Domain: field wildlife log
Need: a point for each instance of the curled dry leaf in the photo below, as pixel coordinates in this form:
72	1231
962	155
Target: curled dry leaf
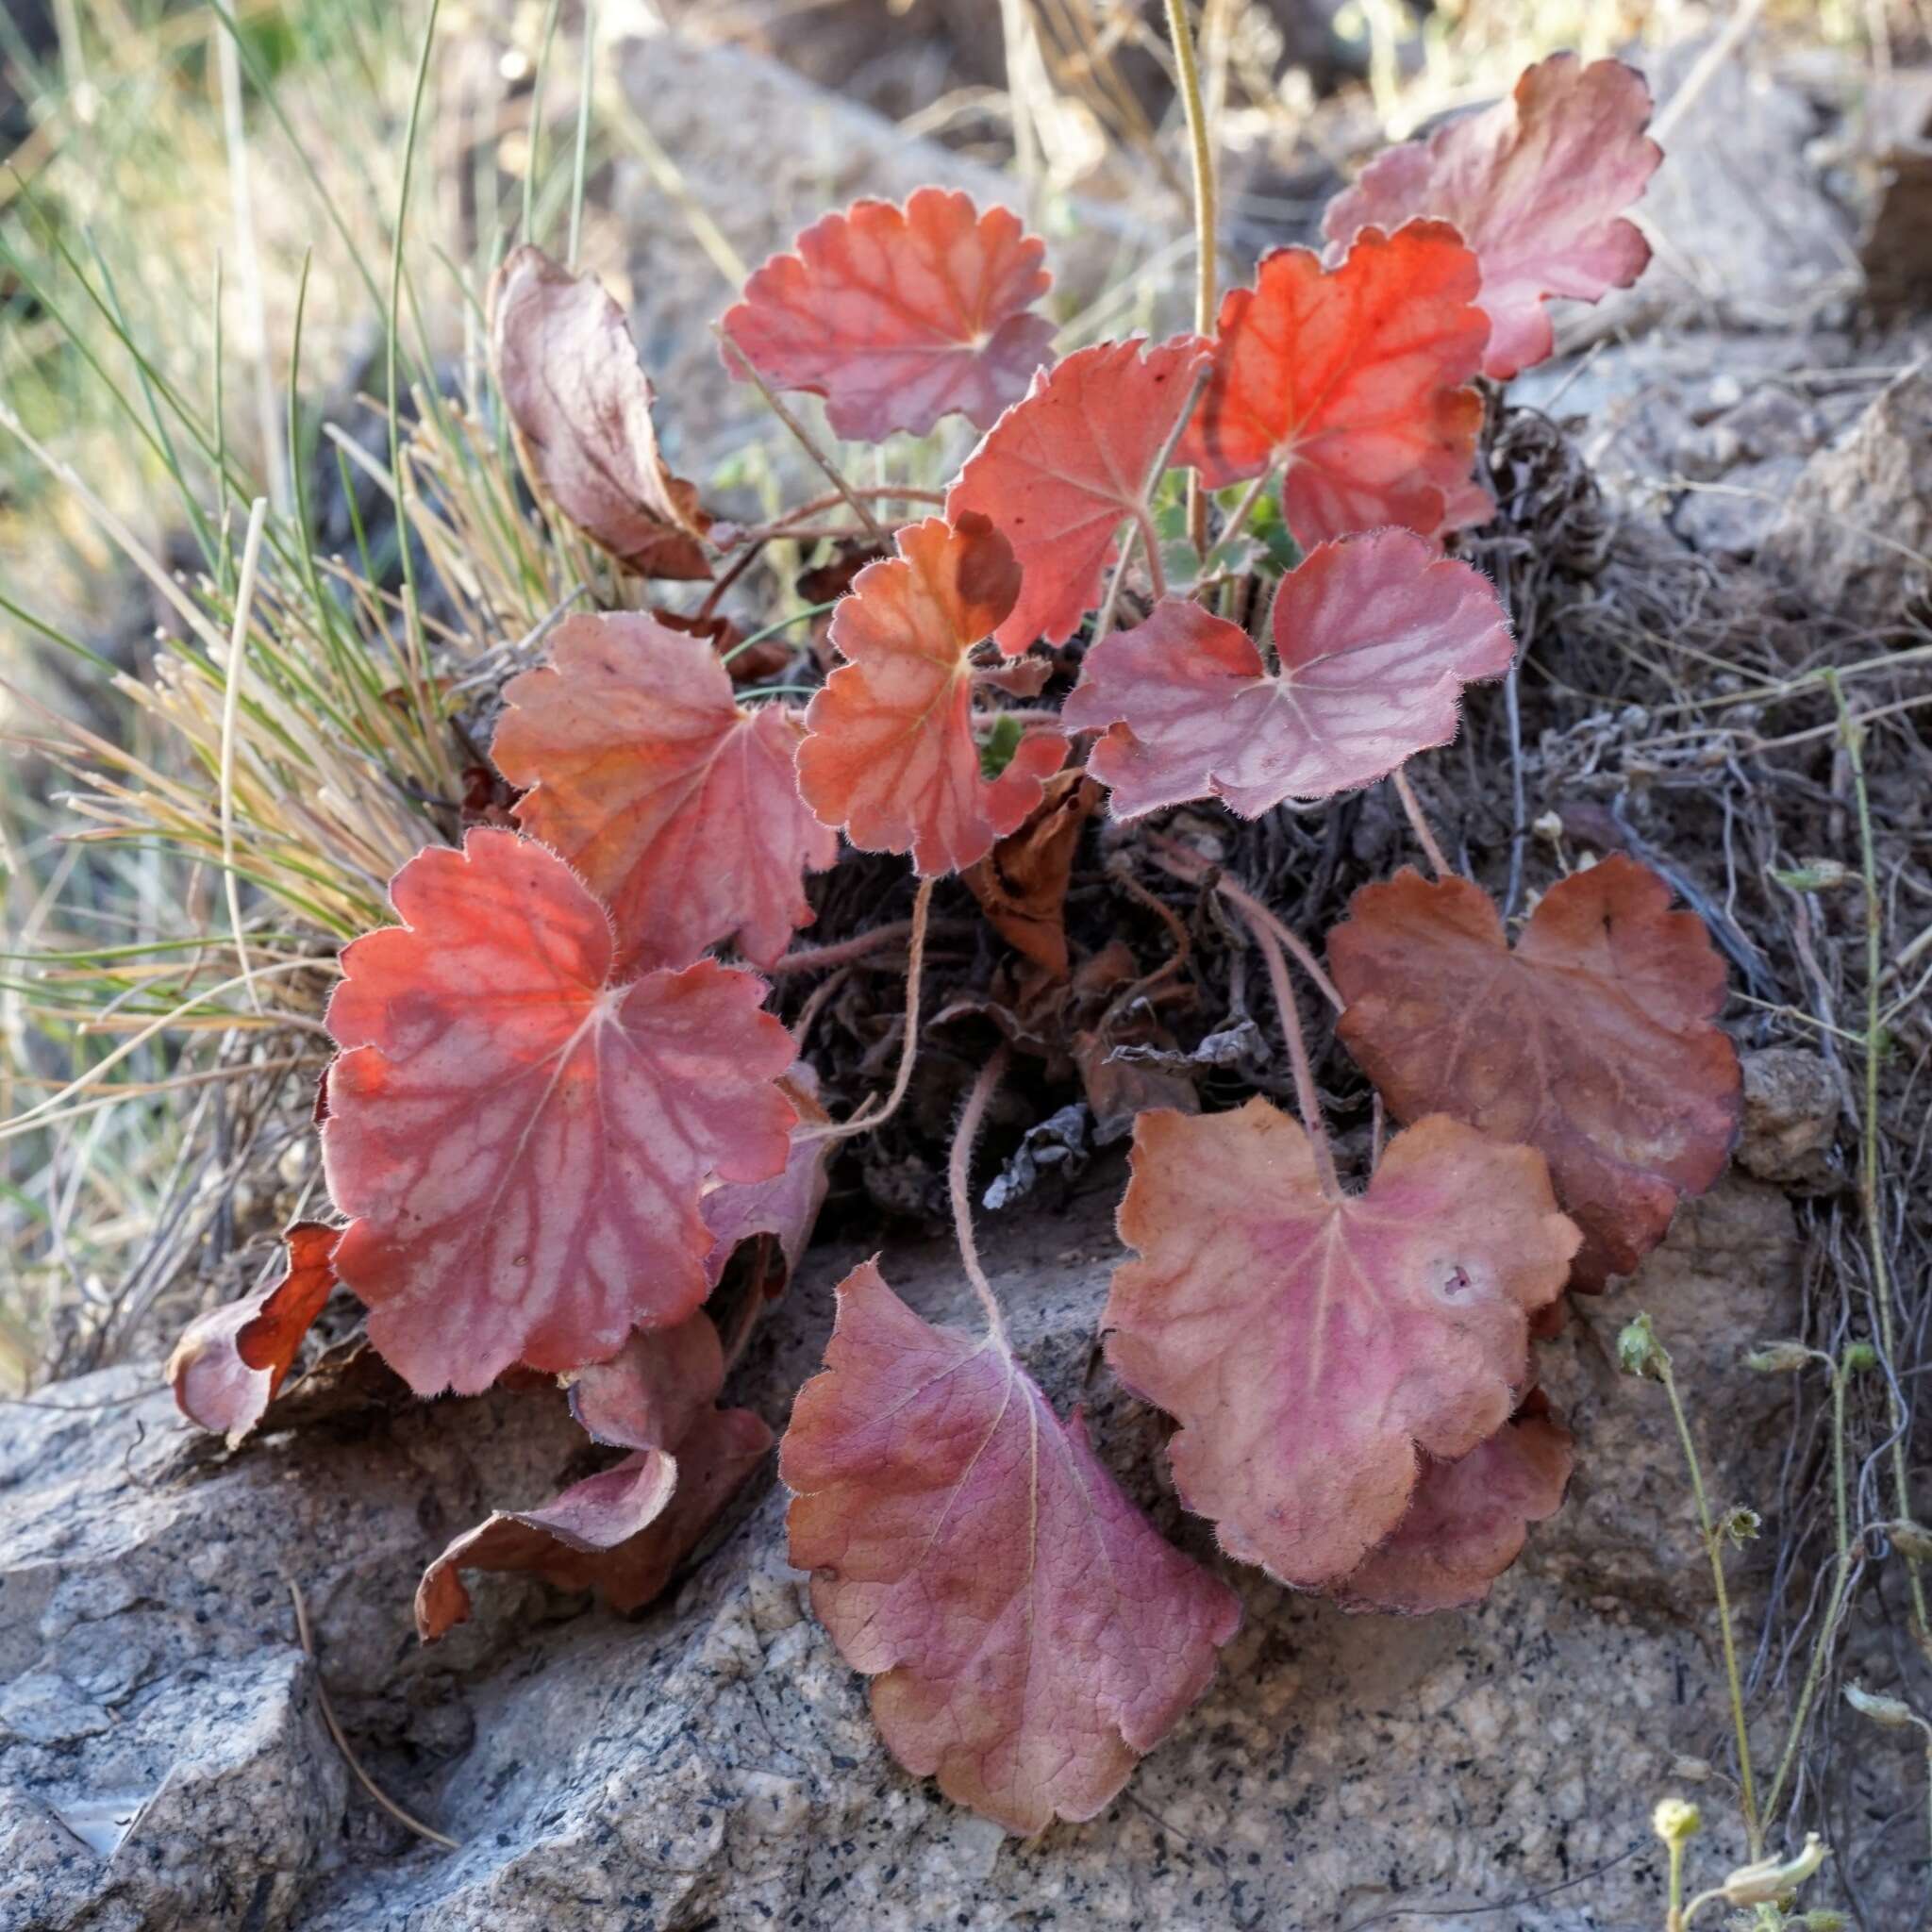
622	1532
523	1139
651	1393
1537	185
567	372
1468	1519
899	316
1351	380
230	1362
1311	1347
1022	883
1062	470
1028	1632
1592	1041
1376	636
889	752
679	810
787	1207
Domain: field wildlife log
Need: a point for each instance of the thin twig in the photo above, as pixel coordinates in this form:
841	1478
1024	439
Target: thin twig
957	1168
231	705
1188	71
335	1731
806	441
1419	823
1307	1099
869	1116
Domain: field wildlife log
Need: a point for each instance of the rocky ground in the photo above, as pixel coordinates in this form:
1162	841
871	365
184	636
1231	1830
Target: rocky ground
166	1758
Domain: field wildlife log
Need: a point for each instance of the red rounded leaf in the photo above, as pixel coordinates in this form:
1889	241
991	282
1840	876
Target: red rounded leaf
679	810
1468	1521
651	1392
1375	637
567	371
622	1532
1592	1041
523	1140
1537	185
889	751
1310	1348
1028	1632
900	316
1060	471
786	1207
1352	379
230	1362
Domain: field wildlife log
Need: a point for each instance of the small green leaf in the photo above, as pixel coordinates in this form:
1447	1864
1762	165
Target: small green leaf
996	750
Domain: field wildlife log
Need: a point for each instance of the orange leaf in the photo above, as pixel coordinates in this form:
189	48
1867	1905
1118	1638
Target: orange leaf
524	1139
1468	1521
1537	185
889	751
1062	470
1311	1347
900	316
1350	380
679	810
1592	1041
1028	1633
230	1362
567	372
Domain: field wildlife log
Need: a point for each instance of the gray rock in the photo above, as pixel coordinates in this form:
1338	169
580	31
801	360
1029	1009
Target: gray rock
1792	1107
711	1762
1856	533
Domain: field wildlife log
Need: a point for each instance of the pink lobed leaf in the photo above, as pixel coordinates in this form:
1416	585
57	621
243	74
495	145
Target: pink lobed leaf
1352	379
1538	184
1028	1633
899	316
523	1139
1062	470
567	371
889	752
1468	1519
622	1532
1312	1348
679	810
1375	636
230	1363
652	1393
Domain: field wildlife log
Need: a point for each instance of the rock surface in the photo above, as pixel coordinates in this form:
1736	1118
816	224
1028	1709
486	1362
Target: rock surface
163	1762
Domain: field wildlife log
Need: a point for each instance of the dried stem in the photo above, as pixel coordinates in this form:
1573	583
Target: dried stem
804	436
1713	1549
1307	1099
1174	857
231	705
1419	823
870	1116
1188	72
1871	1175
958	1168
336	1731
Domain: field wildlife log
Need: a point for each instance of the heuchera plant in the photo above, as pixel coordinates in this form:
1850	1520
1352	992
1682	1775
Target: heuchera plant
555	1113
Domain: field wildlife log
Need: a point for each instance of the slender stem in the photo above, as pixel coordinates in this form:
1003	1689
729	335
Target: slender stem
1157	570
1174	857
1840	1583
581	151
1306	1097
1674	1921
1870	1175
1103	624
1753	1831
870	1116
816	958
1188	71
1418	823
804	436
231	705
1238	519
958	1168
